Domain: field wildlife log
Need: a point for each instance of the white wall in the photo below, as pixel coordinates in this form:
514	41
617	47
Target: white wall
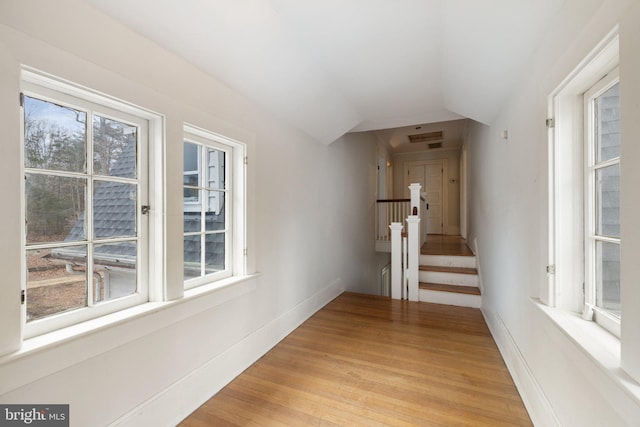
310	223
508	201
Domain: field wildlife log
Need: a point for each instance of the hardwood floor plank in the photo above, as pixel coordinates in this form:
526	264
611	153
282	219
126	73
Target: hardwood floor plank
366	360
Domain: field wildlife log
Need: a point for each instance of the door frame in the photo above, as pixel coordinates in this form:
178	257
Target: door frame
443	163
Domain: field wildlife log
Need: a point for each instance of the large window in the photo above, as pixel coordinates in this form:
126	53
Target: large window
85	197
584	166
210	172
602	195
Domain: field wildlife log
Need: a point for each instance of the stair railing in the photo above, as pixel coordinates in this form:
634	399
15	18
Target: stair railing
405	251
388	211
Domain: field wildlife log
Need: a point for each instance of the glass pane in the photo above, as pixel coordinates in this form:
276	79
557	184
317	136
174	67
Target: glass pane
192	251
190	157
56	280
215	251
191	196
608	124
54	136
114	209
54	208
215	211
114	148
608	201
608	277
215	169
192	222
114	270
190	179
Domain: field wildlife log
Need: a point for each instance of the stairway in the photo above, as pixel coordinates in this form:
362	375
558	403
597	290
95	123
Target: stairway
449	278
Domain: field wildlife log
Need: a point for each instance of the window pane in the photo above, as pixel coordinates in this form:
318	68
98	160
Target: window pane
215	252
608	277
191	196
608	201
114	209
114	148
215	211
54	136
54	208
114	273
192	251
608	124
215	169
192	222
56	280
190	157
190	179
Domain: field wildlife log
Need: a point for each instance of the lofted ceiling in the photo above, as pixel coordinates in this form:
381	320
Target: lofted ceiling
334	66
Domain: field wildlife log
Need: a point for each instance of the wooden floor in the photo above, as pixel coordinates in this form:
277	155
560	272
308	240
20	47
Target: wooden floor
367	360
437	244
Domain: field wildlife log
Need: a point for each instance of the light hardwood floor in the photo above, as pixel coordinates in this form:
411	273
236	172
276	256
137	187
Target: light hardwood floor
367	360
438	244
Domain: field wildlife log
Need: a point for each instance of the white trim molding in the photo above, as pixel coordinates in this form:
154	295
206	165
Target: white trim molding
537	404
174	403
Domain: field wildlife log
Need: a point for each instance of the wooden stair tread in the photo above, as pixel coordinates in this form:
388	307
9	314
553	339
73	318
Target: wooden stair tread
435	253
458	289
439	269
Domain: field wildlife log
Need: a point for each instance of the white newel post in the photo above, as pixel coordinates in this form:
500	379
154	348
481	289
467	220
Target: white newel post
413	222
415	198
396	260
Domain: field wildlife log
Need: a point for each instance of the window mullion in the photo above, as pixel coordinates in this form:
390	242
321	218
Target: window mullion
89	209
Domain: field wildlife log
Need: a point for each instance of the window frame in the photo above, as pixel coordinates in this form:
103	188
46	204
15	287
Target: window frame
568	265
235	202
603	317
48	88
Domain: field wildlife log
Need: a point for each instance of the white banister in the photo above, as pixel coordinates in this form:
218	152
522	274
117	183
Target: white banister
415	198
387	212
396	260
413	249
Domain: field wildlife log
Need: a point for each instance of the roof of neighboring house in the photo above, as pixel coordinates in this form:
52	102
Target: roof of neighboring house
114	215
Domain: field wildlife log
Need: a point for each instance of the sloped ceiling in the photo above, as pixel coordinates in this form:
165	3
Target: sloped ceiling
334	66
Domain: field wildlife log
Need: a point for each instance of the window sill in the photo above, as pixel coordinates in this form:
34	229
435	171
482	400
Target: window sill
49	353
599	345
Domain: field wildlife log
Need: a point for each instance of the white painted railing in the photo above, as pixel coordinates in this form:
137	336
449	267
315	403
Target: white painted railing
388	211
405	249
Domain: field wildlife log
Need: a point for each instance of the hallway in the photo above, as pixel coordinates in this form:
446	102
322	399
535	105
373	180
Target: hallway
366	360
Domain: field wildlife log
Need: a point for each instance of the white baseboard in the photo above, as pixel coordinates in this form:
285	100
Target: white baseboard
534	399
174	403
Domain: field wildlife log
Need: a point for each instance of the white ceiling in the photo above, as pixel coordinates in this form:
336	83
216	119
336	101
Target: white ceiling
334	66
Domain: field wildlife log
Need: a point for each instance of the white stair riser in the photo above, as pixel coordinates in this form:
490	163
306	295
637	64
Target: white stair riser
448	261
450	298
448	278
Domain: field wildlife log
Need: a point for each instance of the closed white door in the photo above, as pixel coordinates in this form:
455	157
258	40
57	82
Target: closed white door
430	177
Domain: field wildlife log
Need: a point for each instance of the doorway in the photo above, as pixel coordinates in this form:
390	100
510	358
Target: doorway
430	174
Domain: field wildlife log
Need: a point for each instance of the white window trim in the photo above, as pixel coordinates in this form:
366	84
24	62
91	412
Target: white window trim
591	311
566	164
235	210
151	275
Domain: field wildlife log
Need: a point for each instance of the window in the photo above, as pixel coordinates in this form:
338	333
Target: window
584	188
602	196
85	184
210	214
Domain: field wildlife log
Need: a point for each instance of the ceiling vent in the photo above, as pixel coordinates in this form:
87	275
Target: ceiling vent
435	145
427	137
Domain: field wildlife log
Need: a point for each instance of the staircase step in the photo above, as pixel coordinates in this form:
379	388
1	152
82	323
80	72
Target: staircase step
469	290
450	298
442	269
448	260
